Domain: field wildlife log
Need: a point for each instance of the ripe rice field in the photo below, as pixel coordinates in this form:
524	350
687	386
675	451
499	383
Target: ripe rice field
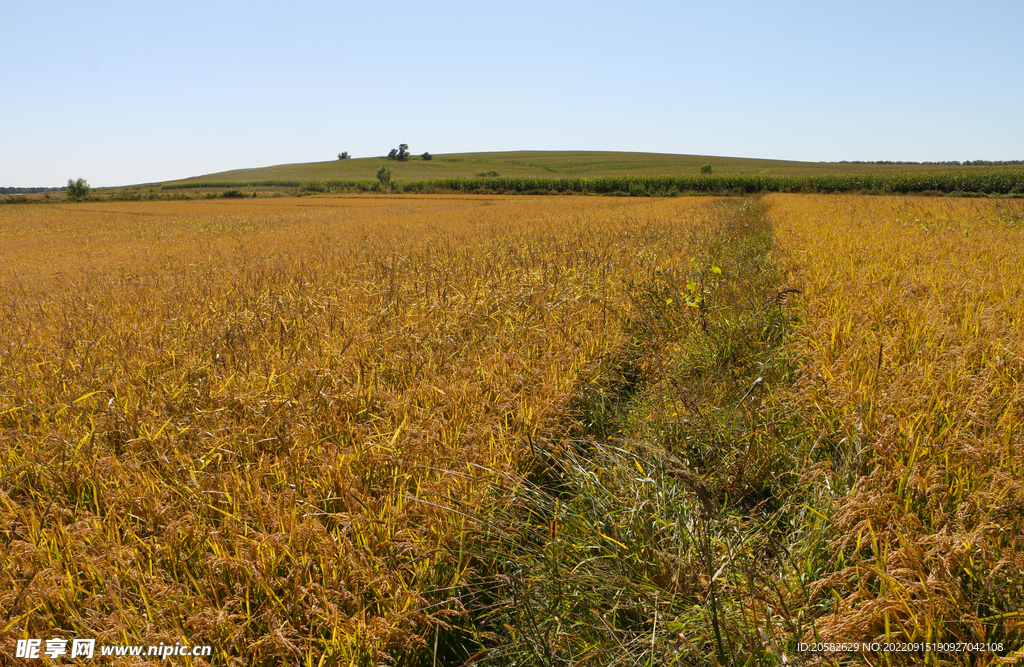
427	430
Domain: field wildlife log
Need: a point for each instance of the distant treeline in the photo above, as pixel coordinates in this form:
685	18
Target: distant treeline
28	191
983	182
947	163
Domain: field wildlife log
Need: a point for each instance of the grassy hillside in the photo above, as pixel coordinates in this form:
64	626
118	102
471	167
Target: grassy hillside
550	164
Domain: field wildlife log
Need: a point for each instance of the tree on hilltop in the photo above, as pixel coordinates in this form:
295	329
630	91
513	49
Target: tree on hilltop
400	153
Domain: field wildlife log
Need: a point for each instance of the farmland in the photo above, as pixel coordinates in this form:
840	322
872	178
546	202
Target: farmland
516	430
597	172
572	172
558	164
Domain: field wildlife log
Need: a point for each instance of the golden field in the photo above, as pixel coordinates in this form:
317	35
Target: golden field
304	431
912	350
220	418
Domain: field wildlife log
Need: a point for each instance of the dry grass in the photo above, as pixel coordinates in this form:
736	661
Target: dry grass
230	422
911	384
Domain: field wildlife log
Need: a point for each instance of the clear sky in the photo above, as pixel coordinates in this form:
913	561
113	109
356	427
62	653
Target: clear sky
131	92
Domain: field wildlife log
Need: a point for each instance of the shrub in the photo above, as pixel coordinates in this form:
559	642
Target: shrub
344	156
427	156
384	177
126	195
233	194
705	169
78	190
314	186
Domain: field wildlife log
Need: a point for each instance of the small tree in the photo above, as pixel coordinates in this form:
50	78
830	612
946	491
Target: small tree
344	156
384	177
705	169
427	156
79	189
400	153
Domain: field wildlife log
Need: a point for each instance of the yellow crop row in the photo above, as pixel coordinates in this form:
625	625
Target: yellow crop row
912	356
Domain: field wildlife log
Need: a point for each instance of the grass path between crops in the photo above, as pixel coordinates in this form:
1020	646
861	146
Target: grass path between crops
671	524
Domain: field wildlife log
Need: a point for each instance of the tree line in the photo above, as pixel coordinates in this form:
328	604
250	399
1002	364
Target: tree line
401	154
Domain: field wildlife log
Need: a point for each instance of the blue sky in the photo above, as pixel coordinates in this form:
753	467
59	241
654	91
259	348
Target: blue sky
127	92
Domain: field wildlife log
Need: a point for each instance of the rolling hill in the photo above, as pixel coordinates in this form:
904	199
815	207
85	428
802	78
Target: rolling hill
549	164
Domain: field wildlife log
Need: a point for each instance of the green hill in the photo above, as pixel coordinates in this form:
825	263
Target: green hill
545	164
